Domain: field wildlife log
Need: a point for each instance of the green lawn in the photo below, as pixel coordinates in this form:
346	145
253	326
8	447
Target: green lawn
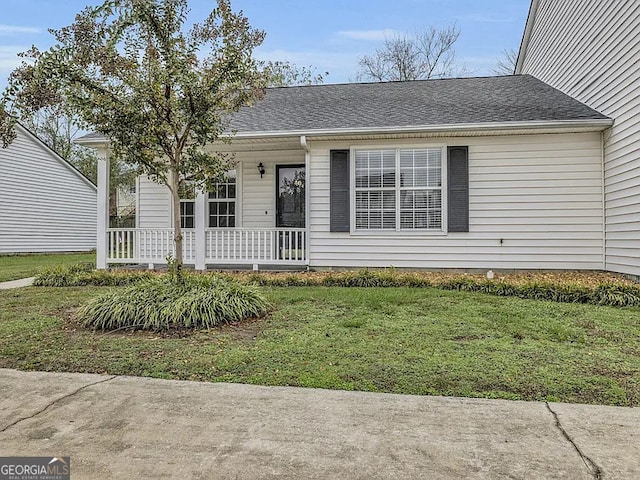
416	341
13	267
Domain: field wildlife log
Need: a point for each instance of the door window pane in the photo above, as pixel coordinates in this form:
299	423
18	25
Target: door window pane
290	196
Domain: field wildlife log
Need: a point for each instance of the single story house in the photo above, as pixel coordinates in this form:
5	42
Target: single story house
473	173
591	51
46	205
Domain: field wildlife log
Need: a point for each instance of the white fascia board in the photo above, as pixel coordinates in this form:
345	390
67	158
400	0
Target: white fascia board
596	124
528	29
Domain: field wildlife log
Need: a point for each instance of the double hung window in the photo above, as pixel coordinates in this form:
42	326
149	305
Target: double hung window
187	206
221	200
222	203
398	189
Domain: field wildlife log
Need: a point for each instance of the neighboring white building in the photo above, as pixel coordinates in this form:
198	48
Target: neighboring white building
478	173
46	205
591	51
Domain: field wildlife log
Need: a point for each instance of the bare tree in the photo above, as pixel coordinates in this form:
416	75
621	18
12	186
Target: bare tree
429	53
507	64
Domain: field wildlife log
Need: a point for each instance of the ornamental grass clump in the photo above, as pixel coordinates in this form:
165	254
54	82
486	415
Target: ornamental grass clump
83	274
160	304
572	287
63	275
617	295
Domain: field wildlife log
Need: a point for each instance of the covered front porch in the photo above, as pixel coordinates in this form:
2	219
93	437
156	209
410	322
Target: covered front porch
255	218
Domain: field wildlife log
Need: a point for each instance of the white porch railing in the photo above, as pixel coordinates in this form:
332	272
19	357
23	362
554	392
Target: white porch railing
138	245
268	245
222	246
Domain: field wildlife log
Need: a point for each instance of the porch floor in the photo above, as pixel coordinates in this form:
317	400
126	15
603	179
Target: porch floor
218	267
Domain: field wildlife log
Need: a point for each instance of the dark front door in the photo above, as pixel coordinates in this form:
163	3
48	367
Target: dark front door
290	211
290	196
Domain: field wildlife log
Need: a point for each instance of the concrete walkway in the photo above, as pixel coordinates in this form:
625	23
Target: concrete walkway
125	427
23	282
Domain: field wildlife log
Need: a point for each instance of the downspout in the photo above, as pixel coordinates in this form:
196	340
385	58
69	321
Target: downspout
307	211
137	182
604	204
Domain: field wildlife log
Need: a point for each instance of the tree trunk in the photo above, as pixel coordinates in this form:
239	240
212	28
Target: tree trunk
177	238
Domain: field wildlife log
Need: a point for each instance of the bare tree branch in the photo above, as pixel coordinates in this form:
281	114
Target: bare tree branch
427	54
507	64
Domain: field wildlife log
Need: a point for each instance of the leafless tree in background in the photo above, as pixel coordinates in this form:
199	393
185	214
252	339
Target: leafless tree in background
507	64
429	53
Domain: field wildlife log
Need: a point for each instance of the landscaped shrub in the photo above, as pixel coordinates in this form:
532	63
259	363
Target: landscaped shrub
575	288
200	301
617	295
82	274
61	275
568	287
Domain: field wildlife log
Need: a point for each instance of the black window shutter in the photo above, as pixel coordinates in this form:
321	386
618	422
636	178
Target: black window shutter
339	191
458	188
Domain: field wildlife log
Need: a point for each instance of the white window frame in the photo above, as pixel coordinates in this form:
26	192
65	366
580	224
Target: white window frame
239	215
185	201
399	231
226	200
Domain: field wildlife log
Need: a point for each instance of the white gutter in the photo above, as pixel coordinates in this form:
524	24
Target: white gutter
458	127
595	123
528	30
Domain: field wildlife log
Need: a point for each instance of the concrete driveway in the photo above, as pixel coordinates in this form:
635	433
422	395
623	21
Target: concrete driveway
126	427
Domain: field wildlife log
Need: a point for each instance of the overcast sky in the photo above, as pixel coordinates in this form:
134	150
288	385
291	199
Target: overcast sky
328	34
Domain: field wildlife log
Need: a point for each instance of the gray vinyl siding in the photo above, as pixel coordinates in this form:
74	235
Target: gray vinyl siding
540	194
591	51
45	204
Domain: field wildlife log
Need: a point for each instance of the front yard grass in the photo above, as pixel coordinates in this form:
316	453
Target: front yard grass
400	340
14	267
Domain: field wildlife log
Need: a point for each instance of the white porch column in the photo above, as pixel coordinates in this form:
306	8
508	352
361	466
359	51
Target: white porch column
307	197
102	236
201	225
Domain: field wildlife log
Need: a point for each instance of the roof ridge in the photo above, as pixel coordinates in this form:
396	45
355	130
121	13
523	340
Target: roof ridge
391	82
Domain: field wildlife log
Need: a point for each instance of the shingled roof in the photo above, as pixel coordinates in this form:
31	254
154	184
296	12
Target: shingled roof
517	98
422	103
